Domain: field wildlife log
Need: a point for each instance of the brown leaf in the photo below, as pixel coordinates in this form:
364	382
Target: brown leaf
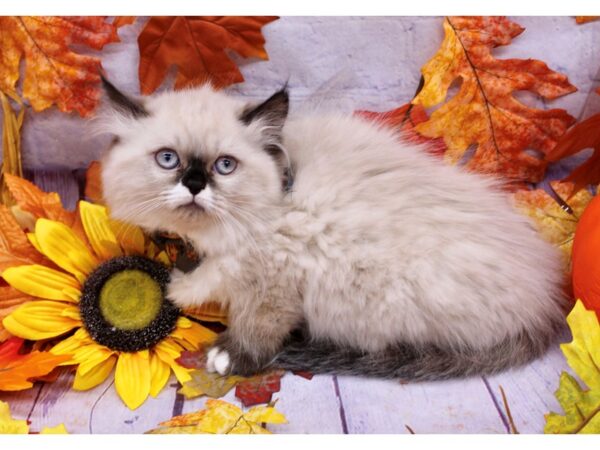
259	389
197	47
585	134
93	183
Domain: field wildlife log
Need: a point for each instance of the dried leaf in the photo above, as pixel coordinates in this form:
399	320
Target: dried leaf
221	417
93	183
54	73
259	389
585	134
404	119
210	384
11	146
484	111
122	21
8	425
198	47
17	371
208	312
554	223
581	406
585	19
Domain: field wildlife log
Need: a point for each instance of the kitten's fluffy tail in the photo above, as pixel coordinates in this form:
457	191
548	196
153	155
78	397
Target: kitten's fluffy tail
410	362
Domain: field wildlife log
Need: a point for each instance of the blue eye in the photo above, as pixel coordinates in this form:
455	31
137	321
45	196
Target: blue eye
167	158
225	165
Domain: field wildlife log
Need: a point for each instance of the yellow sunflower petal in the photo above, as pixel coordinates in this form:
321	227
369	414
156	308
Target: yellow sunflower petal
159	372
94	376
71	344
193	333
163	258
90	356
41	281
98	230
168	352
129	236
59	243
132	378
41	319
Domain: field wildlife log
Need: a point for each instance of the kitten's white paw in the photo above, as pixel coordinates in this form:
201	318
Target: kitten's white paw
210	359
217	361
222	363
178	290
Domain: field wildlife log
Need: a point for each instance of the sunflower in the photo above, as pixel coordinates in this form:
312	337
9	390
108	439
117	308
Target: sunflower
102	292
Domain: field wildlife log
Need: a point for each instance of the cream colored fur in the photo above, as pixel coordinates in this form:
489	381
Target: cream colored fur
377	243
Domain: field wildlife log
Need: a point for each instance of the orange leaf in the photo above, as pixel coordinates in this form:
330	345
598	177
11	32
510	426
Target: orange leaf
484	111
121	21
585	19
15	248
584	135
16	371
404	119
93	183
54	73
197	46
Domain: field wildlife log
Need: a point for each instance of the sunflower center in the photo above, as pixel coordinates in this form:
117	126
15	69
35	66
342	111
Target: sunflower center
130	300
123	304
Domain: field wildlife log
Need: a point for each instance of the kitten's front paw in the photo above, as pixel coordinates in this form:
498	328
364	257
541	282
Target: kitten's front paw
218	360
228	357
177	290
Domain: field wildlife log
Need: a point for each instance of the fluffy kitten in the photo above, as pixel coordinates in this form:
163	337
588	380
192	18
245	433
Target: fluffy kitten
389	262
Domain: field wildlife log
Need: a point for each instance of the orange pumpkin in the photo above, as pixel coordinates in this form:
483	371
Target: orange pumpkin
586	257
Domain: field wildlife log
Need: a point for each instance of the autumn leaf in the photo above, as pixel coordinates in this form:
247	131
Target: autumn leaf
17	371
54	73
42	204
210	384
581	406
404	119
198	46
121	21
9	425
208	312
585	19
221	417
93	183
11	146
484	111
585	134
555	223
259	389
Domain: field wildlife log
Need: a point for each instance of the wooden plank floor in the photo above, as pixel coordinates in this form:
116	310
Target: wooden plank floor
324	404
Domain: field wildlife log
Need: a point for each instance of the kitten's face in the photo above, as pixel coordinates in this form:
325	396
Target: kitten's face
193	160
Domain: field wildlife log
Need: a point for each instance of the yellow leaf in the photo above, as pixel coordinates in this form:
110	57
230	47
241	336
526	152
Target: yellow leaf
221	417
11	146
554	223
209	384
581	406
58	429
8	425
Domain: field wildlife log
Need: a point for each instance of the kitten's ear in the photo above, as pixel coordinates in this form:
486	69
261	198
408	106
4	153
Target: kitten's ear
124	105
272	112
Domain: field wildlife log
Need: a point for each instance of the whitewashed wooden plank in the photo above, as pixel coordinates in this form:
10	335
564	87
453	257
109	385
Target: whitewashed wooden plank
62	181
386	406
99	410
311	406
530	390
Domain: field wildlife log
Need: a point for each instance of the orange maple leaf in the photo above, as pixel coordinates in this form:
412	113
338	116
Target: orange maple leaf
17	370
197	46
54	73
585	134
404	119
585	19
484	111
